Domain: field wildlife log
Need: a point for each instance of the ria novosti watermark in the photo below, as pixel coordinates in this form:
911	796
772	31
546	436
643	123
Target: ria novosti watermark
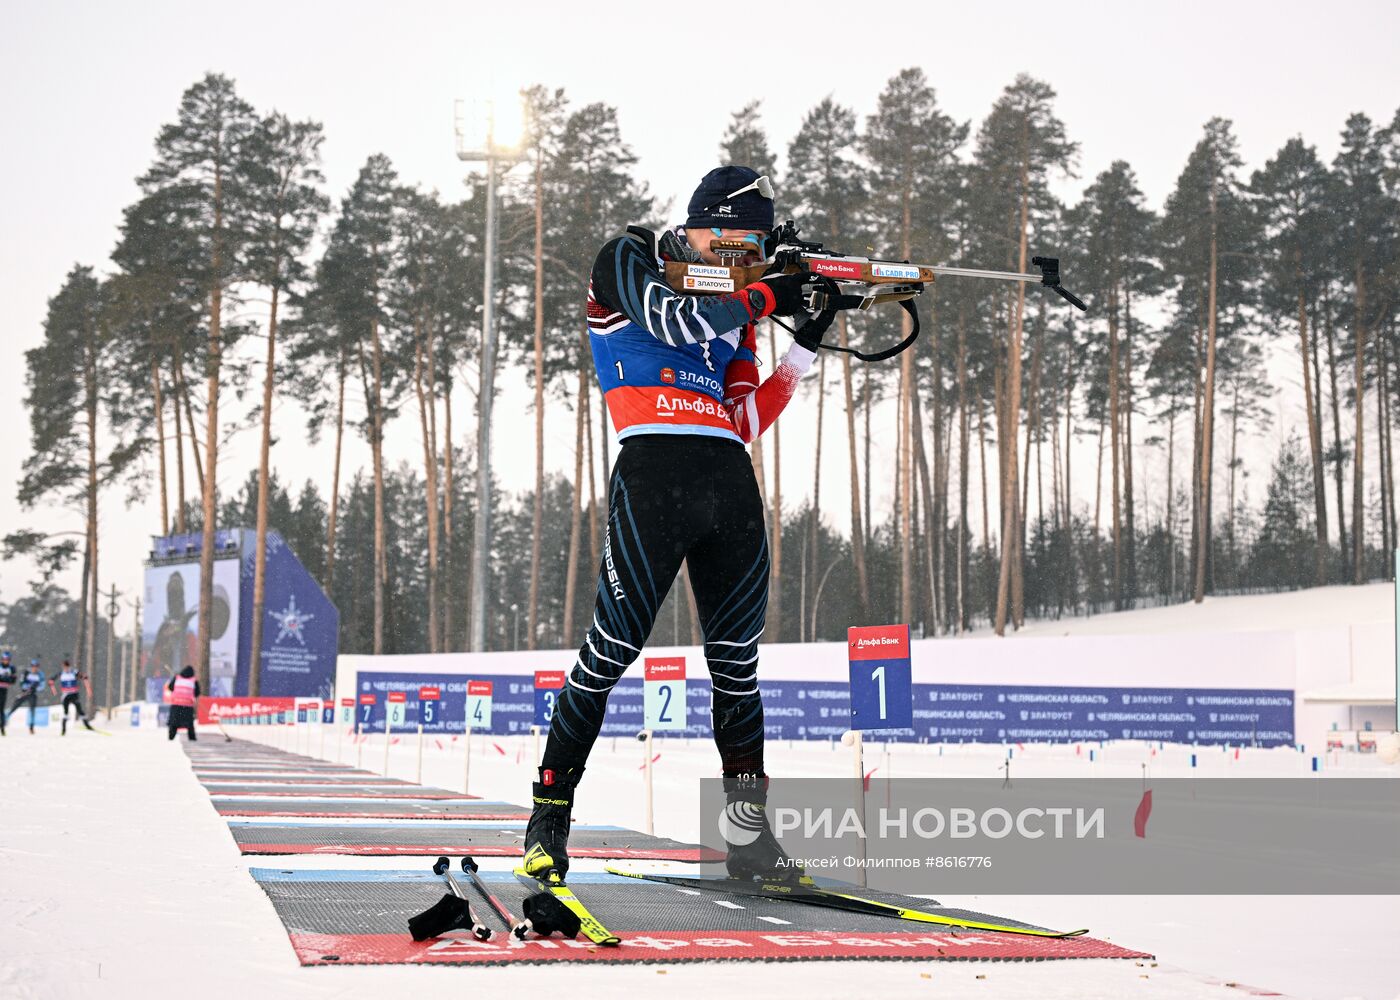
930	823
1081	836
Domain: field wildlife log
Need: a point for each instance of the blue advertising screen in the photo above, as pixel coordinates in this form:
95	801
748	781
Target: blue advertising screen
945	713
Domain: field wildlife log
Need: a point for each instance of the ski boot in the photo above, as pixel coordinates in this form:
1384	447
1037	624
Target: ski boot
63	730
547	834
88	725
754	853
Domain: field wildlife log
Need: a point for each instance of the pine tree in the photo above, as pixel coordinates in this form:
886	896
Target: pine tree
1290	196
1207	242
545	115
826	189
1018	146
358	260
69	380
1118	234
912	147
1365	234
199	161
283	203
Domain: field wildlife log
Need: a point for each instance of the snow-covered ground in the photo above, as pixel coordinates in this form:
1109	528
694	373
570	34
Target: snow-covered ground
120	880
1315	607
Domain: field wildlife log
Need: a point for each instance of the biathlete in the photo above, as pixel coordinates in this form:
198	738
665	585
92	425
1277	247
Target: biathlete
7	677
679	373
68	678
29	686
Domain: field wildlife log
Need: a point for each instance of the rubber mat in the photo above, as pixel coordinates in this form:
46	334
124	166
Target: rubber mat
324	790
360	917
332	808
296	781
425	837
275	769
298	777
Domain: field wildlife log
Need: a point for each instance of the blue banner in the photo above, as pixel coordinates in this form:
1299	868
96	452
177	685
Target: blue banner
301	627
943	713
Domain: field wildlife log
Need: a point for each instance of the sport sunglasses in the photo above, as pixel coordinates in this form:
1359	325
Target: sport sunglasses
762	185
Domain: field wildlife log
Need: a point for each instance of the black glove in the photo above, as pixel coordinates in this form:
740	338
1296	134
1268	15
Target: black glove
811	327
809	333
787	291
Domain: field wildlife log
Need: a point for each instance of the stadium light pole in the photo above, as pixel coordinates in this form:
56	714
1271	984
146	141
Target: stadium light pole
111	648
495	157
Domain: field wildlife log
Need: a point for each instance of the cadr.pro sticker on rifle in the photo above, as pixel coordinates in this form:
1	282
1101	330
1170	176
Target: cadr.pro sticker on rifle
902	271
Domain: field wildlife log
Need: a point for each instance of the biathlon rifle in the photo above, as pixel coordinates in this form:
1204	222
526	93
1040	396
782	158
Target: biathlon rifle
859	282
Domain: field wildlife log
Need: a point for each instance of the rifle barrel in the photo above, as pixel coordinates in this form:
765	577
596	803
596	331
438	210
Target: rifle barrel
972	272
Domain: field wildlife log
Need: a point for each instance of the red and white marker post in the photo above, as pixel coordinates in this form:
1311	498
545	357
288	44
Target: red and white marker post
394	705
478	705
427	694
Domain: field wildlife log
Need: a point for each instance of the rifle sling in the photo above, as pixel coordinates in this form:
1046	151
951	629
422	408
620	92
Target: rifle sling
907	305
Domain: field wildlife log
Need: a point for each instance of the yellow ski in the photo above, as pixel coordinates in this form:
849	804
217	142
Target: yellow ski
808	892
591	927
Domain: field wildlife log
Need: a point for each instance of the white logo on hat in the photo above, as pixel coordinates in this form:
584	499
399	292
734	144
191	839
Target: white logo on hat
725	210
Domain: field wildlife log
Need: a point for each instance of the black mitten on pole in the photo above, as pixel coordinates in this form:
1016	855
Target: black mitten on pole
449	913
544	915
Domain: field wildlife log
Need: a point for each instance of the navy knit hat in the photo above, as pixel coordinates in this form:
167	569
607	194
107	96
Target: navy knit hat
711	204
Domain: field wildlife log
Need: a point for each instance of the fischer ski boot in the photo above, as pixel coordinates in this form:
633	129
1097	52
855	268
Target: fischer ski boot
754	852
547	834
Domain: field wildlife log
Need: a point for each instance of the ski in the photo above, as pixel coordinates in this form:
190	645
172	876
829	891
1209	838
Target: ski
545	920
814	895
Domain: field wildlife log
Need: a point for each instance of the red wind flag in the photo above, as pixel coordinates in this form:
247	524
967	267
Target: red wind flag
1144	810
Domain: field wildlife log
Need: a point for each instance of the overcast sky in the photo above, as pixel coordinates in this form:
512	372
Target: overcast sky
86	86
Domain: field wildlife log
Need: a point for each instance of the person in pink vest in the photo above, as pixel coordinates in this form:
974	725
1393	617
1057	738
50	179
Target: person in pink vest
184	692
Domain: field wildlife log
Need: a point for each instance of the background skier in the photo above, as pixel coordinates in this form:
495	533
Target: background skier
68	678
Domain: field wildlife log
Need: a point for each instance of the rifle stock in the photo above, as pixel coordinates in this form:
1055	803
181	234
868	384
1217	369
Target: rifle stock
874	280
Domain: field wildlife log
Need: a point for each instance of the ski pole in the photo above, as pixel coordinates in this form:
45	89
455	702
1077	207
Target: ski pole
469	866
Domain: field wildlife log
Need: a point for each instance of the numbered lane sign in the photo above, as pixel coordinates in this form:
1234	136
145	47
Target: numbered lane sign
479	705
882	689
548	684
366	709
663	693
397	708
428	697
347	710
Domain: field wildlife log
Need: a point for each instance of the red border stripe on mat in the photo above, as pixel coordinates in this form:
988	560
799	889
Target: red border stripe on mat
695	946
480	851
